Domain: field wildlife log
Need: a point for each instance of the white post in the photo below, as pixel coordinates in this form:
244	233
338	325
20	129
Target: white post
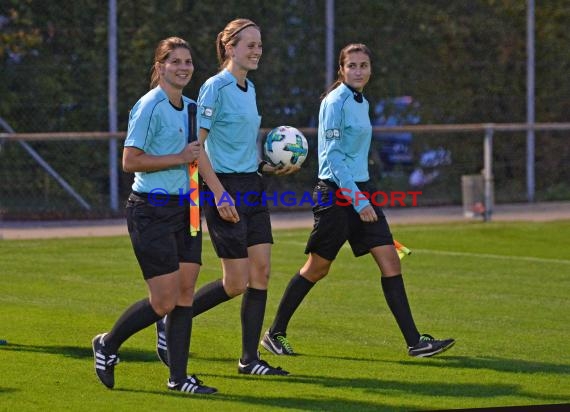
329	59
488	172
112	93
530	109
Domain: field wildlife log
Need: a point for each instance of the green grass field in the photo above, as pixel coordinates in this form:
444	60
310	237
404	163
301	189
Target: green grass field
501	289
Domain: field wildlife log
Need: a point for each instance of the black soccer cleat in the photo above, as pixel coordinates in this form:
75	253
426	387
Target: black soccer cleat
429	346
191	385
277	344
104	363
260	367
161	347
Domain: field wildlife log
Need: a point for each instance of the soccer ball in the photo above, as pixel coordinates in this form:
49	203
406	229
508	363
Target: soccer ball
285	146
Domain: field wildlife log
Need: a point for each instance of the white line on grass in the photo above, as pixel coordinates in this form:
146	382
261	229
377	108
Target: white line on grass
467	254
487	255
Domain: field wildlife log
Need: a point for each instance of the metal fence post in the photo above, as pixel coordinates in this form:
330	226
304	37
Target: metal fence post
530	115
488	171
113	70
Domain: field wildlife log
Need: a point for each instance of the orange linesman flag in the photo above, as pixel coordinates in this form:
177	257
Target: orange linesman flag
194	184
401	249
195	199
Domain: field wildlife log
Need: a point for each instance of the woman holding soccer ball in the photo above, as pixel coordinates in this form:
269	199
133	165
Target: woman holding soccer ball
344	137
241	233
157	151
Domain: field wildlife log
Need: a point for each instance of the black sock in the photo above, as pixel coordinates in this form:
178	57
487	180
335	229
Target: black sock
397	300
137	317
178	333
252	313
209	296
294	294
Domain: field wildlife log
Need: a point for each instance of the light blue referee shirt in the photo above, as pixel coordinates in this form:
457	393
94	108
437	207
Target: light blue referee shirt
230	114
344	137
159	128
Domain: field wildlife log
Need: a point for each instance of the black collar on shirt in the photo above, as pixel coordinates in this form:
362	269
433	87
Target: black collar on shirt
176	107
356	94
242	88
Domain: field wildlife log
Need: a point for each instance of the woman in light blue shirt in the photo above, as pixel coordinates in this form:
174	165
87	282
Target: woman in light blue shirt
344	136
157	151
240	229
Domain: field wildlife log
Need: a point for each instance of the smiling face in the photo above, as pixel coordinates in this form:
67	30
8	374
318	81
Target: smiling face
356	70
245	54
176	71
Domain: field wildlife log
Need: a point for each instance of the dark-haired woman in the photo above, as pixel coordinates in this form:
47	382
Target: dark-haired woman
157	151
344	137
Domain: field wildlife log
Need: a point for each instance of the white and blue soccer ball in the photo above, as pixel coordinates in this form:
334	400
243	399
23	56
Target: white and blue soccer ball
284	146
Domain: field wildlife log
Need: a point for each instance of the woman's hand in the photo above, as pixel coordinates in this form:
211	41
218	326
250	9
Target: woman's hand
226	208
191	152
368	215
281	170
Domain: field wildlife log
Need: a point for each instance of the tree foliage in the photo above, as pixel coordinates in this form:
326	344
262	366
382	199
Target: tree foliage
465	60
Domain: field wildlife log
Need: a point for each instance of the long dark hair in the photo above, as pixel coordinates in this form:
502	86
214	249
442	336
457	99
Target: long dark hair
231	35
161	53
351	48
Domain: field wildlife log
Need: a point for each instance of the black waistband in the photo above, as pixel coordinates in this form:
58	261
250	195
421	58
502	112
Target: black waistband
332	184
329	183
157	195
237	175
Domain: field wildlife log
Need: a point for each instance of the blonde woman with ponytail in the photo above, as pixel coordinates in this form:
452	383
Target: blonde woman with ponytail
240	230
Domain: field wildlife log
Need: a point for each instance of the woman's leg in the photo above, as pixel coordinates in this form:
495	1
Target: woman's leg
163	291
255	300
388	261
163	295
314	269
179	323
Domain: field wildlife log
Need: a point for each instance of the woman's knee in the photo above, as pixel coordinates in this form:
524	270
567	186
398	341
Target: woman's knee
186	292
314	272
387	260
315	275
235	288
259	278
164	304
316	268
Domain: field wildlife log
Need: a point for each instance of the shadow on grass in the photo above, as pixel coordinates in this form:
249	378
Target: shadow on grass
492	363
367	385
346	358
373	385
85	352
428	389
81	352
9	390
319	403
486	362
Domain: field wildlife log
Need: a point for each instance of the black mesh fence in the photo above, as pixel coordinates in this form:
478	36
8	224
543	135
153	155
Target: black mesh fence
54	179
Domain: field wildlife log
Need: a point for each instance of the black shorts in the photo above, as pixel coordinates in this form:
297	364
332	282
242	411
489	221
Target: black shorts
334	224
160	235
231	240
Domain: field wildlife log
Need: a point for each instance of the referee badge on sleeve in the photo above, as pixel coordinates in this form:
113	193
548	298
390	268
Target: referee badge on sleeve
207	111
331	134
